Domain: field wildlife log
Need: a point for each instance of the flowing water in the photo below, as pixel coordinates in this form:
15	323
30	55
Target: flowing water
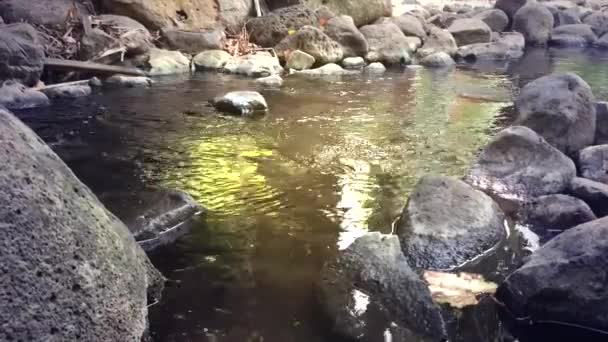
332	159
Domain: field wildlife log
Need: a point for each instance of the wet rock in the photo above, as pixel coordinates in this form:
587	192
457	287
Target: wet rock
438	60
552	214
241	103
593	163
535	22
496	19
21	54
443	20
598	22
446	223
520	164
270	81
370	286
157	217
508	45
314	42
387	43
330	69
71	269
375	68
576	35
342	29
299	60
190	15
164	62
602	43
470	31
363	12
129	81
48	12
211	60
193	42
569	16
601	132
408	24
68	91
438	40
564	280
353	63
510	7
561	108
269	30
258	65
593	193
14	95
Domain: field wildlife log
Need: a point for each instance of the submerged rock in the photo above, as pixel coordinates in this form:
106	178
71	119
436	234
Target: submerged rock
299	60
164	62
446	223
312	41
71	269
211	60
553	214
21	54
593	193
593	163
370	289
520	164
438	60
470	31
330	69
257	65
270	81
342	29
564	280
387	44
561	108
535	22
241	102
14	95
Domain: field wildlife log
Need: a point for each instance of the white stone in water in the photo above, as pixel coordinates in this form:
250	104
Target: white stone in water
241	102
299	60
129	81
330	69
270	81
353	62
164	62
258	65
375	68
211	60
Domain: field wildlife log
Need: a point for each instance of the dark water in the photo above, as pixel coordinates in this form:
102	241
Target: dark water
331	160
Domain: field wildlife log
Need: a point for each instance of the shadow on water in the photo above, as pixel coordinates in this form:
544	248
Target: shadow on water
330	161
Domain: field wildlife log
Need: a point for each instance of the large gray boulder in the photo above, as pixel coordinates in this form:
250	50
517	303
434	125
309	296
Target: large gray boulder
598	21
602	42
408	24
438	40
510	7
575	35
506	45
593	193
470	31
520	164
363	12
564	281
21	54
342	29
193	42
15	95
257	65
446	223
568	16
601	129
387	44
535	22
241	102
71	269
211	60
561	108
593	163
552	214
47	12
496	19
371	282
314	42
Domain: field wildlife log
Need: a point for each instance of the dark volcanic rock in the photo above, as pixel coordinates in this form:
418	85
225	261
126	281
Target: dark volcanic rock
535	22
370	289
561	108
520	164
241	102
510	7
314	42
593	163
21	54
71	270
14	95
438	40
555	213
593	193
565	280
446	223
46	12
342	29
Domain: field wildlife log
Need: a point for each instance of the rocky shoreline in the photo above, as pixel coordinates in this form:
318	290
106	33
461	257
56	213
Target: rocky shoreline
550	165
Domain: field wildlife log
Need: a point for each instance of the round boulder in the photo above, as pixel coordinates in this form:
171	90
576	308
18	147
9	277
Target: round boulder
447	223
520	164
438	60
299	60
241	102
598	22
595	194
370	289
552	214
535	22
21	54
510	7
438	40
470	31
211	60
314	42
496	19
342	29
387	43
561	108
575	35
593	163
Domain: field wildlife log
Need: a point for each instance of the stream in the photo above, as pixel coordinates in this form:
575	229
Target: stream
332	159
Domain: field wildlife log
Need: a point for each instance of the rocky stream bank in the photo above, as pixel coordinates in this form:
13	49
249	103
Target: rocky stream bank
546	171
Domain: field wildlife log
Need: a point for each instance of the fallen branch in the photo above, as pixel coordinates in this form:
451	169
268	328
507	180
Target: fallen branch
96	68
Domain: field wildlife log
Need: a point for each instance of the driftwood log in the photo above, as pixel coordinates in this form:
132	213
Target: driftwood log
95	68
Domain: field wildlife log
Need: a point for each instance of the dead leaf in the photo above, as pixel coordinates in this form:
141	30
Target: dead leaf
458	290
